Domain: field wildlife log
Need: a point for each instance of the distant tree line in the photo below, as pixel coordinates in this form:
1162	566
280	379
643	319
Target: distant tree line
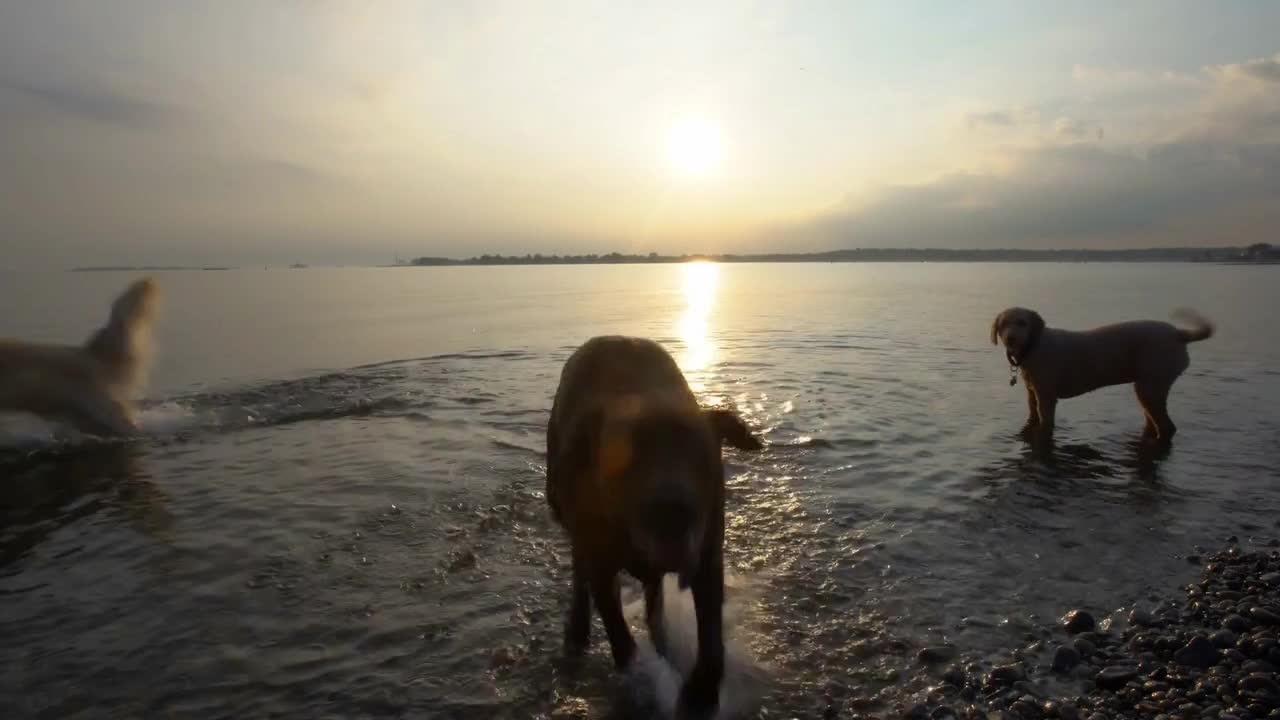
1260	252
540	259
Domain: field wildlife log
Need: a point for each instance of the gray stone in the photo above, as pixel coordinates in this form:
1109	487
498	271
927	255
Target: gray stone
1025	709
1223	639
1198	653
1258	684
1115	677
1237	624
1263	616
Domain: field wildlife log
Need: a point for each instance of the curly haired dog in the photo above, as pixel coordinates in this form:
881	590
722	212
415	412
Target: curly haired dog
1057	364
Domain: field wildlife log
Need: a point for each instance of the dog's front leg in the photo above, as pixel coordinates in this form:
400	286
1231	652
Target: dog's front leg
653	615
701	692
605	592
578	625
1033	416
99	413
1046	408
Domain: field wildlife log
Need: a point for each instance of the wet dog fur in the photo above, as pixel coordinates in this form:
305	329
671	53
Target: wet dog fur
90	386
1057	364
635	476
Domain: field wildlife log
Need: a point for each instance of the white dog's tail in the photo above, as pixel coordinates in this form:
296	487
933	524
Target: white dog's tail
123	345
1202	329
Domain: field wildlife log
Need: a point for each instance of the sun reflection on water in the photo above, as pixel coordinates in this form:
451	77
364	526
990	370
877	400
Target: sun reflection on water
700	284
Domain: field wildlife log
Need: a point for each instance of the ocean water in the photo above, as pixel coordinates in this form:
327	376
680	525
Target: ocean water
337	509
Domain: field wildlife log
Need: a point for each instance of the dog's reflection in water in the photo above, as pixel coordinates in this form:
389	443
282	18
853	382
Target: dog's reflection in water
1135	456
47	491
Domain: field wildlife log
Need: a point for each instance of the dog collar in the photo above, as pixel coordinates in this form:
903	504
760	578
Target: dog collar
1015	361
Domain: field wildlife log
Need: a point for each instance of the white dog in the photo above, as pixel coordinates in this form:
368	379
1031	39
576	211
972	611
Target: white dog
90	386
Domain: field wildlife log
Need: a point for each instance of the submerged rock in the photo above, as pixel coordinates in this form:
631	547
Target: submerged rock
1141	618
1006	674
1065	659
1078	621
1085	647
936	654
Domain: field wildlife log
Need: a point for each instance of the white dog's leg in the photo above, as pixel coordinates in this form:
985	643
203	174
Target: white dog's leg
98	413
1033	407
1046	406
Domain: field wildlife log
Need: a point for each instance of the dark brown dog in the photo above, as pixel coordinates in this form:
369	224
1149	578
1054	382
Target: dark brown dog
634	475
1058	364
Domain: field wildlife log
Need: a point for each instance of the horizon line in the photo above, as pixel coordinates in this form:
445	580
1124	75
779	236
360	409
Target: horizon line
1254	253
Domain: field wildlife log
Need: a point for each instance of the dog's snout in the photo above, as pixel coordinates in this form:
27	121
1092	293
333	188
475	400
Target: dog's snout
667	517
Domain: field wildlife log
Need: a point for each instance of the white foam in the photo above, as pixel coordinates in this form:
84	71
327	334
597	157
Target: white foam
25	432
652	683
167	418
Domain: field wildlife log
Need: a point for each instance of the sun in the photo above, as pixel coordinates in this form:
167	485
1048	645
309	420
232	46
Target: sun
693	147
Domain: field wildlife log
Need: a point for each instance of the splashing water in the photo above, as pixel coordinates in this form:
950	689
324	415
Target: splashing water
651	685
27	433
168	418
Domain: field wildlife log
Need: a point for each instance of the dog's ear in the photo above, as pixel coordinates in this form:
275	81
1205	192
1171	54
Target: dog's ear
577	446
995	327
1037	322
730	428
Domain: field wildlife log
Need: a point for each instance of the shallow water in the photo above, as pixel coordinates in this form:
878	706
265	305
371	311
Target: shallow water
337	509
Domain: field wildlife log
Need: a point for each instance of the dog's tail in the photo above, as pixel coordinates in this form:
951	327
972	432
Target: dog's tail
1201	329
123	346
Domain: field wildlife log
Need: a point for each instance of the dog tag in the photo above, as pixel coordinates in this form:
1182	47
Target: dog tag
1013	376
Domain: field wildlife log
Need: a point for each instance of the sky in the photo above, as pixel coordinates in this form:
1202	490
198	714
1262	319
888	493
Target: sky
241	131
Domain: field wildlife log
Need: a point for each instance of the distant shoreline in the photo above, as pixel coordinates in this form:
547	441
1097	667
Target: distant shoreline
1213	256
1228	255
149	268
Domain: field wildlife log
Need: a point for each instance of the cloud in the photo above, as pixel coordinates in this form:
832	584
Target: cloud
1214	179
1002	120
991	118
1075	195
1070	128
1036	123
94	106
1264	69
